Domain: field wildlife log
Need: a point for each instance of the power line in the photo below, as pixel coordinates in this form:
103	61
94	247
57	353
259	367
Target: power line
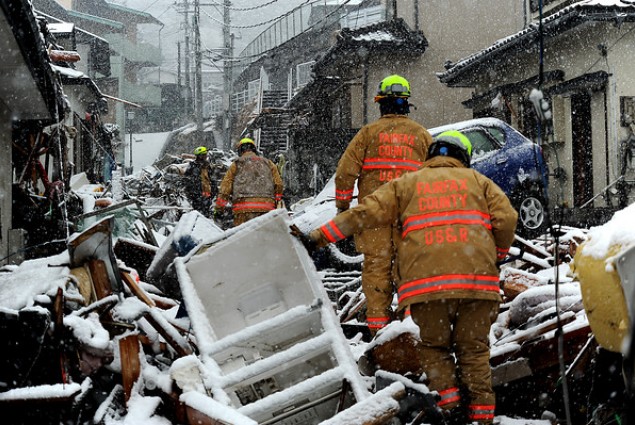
248	26
243	8
256	55
153	3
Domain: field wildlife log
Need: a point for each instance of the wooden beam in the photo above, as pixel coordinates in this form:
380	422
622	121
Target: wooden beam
99	275
136	290
130	363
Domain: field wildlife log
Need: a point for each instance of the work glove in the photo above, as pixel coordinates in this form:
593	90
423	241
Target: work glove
342	209
219	214
309	244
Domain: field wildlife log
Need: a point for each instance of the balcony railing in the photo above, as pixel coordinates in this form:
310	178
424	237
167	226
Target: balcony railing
302	18
142	53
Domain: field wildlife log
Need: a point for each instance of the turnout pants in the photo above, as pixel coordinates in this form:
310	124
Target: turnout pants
458	328
243	217
378	274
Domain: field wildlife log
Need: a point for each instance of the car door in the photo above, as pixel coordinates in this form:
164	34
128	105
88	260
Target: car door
488	157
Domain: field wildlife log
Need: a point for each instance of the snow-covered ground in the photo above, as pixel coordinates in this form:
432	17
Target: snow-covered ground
33	285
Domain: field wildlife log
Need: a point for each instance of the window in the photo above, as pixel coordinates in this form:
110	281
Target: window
481	142
252	88
303	73
497	134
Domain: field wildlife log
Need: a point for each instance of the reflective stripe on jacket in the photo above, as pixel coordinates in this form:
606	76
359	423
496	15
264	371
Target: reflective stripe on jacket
455	225
381	151
252	183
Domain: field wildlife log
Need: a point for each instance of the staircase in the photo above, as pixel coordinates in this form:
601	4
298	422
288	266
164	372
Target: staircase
273	123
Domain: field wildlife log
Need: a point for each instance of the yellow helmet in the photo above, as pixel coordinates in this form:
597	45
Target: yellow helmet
246	140
201	150
394	85
452	143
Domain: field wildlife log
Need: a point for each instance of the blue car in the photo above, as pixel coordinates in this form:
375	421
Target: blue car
514	163
500	152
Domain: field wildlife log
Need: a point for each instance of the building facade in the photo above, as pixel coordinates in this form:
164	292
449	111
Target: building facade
354	49
579	59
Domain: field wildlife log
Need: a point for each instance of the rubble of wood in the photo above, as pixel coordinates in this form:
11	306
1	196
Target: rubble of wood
105	331
90	342
542	308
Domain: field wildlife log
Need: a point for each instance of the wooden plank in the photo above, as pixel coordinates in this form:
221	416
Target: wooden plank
136	290
84	283
163	303
58	335
181	348
146	341
99	275
130	363
543	353
106	210
510	371
199	418
135	255
537	330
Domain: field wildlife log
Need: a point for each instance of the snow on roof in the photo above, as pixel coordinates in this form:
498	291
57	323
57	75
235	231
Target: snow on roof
375	36
486	122
61	27
551	21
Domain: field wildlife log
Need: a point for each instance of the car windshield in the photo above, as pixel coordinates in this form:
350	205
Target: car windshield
482	144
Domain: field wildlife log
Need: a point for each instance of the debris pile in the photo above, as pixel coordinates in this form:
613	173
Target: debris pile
238	326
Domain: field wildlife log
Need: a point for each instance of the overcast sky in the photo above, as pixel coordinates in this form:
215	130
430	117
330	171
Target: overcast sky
167	11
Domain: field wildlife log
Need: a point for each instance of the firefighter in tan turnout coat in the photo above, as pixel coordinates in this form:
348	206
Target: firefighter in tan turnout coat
455	225
380	152
252	184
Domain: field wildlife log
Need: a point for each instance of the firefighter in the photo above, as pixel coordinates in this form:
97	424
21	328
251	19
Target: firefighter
380	152
200	184
455	225
252	184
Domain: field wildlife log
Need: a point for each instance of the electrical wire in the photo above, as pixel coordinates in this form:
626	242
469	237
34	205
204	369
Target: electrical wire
257	55
247	26
28	248
556	235
559	328
608	49
153	3
62	174
243	9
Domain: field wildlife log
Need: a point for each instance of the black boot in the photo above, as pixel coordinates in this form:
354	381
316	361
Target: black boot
455	416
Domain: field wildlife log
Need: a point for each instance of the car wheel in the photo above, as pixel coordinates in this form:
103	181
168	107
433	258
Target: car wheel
532	216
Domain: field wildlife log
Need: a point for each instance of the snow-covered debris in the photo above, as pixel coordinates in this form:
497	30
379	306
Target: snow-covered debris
267	330
617	232
32	278
259	329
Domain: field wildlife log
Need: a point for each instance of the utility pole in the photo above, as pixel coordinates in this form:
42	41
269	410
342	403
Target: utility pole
227	76
188	91
198	105
178	65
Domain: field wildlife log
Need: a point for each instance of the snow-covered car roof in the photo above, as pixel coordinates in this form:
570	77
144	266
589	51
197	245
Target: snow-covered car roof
484	122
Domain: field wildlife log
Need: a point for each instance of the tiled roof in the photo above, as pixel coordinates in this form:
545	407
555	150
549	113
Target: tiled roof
559	22
142	17
98	19
391	36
